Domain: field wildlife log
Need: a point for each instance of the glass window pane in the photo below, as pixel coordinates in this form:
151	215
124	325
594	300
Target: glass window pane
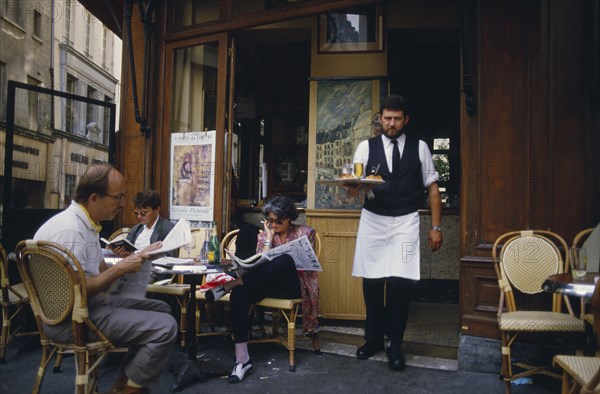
441	143
194	104
442	165
194	12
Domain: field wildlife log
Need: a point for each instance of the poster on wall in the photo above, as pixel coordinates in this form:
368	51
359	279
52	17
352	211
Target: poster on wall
192	175
343	121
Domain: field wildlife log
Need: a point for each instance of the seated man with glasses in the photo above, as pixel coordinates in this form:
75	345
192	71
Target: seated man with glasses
152	227
145	323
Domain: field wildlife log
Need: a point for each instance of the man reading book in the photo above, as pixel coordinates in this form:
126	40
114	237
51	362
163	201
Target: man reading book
151	228
148	324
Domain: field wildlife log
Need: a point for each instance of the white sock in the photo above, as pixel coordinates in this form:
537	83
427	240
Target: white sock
241	353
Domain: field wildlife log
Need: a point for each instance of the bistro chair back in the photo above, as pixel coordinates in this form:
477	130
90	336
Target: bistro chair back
13	299
119	232
523	260
56	285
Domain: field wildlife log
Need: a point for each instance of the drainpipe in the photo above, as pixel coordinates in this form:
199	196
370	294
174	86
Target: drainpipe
52	22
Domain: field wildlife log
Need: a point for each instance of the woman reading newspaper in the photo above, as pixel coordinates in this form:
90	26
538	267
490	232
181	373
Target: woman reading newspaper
277	278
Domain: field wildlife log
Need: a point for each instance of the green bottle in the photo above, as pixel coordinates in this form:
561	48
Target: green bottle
214	247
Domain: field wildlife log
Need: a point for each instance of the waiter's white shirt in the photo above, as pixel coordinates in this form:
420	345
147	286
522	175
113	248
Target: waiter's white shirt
389	245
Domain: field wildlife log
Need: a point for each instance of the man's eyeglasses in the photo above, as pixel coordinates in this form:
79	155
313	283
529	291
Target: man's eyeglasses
119	197
276	221
140	213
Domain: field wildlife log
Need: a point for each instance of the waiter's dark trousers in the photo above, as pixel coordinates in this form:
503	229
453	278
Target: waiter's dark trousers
386	316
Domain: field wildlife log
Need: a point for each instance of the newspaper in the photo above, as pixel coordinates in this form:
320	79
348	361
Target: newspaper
300	250
178	236
133	284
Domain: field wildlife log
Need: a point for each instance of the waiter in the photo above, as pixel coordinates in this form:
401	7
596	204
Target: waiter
387	253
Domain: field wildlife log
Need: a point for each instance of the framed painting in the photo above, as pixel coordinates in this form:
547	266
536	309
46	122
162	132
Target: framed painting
358	29
343	112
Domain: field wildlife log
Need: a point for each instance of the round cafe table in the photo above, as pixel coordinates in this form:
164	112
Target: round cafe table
564	284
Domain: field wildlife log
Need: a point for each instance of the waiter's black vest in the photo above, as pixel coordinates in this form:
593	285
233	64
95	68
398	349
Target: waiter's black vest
402	192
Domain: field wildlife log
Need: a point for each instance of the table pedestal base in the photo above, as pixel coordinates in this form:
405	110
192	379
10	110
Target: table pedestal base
196	370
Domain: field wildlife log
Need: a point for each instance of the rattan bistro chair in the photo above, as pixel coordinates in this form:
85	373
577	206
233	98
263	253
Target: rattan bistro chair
582	374
118	232
578	241
57	290
288	309
523	263
14	301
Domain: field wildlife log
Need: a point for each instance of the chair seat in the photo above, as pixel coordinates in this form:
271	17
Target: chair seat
540	321
13	298
582	369
169	289
278	303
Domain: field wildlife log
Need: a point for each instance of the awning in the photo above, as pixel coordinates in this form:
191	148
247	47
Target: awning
109	12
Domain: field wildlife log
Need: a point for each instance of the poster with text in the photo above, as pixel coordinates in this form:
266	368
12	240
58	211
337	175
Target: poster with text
192	175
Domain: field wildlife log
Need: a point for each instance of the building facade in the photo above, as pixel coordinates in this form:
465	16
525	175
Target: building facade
55	45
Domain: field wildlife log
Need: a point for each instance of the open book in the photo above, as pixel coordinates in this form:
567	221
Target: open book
120	240
300	250
133	284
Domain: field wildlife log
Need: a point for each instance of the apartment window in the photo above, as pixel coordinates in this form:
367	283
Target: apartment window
70	183
104	42
88	32
3	91
106	121
14	11
89	108
67	28
37	24
33	104
70	105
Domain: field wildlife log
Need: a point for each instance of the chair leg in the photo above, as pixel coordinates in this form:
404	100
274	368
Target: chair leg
506	363
292	343
5	333
39	377
314	337
182	324
81	377
58	362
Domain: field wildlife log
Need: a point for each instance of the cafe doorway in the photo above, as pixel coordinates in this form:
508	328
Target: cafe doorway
424	66
271	96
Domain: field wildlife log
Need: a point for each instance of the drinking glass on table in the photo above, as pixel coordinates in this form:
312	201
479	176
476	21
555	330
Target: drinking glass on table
578	262
190	246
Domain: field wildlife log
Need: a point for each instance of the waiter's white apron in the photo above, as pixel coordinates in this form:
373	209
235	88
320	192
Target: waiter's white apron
387	246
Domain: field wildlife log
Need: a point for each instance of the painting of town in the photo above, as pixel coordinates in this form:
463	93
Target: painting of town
344	110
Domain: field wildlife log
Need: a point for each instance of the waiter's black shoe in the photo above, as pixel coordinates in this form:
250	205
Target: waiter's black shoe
369	349
396	359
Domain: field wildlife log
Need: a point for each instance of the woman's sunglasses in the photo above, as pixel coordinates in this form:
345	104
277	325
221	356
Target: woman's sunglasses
276	221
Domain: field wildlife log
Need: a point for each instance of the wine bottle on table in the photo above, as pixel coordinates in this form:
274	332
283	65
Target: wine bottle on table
214	247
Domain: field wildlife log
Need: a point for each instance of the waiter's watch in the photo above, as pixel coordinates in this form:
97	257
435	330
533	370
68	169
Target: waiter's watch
437	228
